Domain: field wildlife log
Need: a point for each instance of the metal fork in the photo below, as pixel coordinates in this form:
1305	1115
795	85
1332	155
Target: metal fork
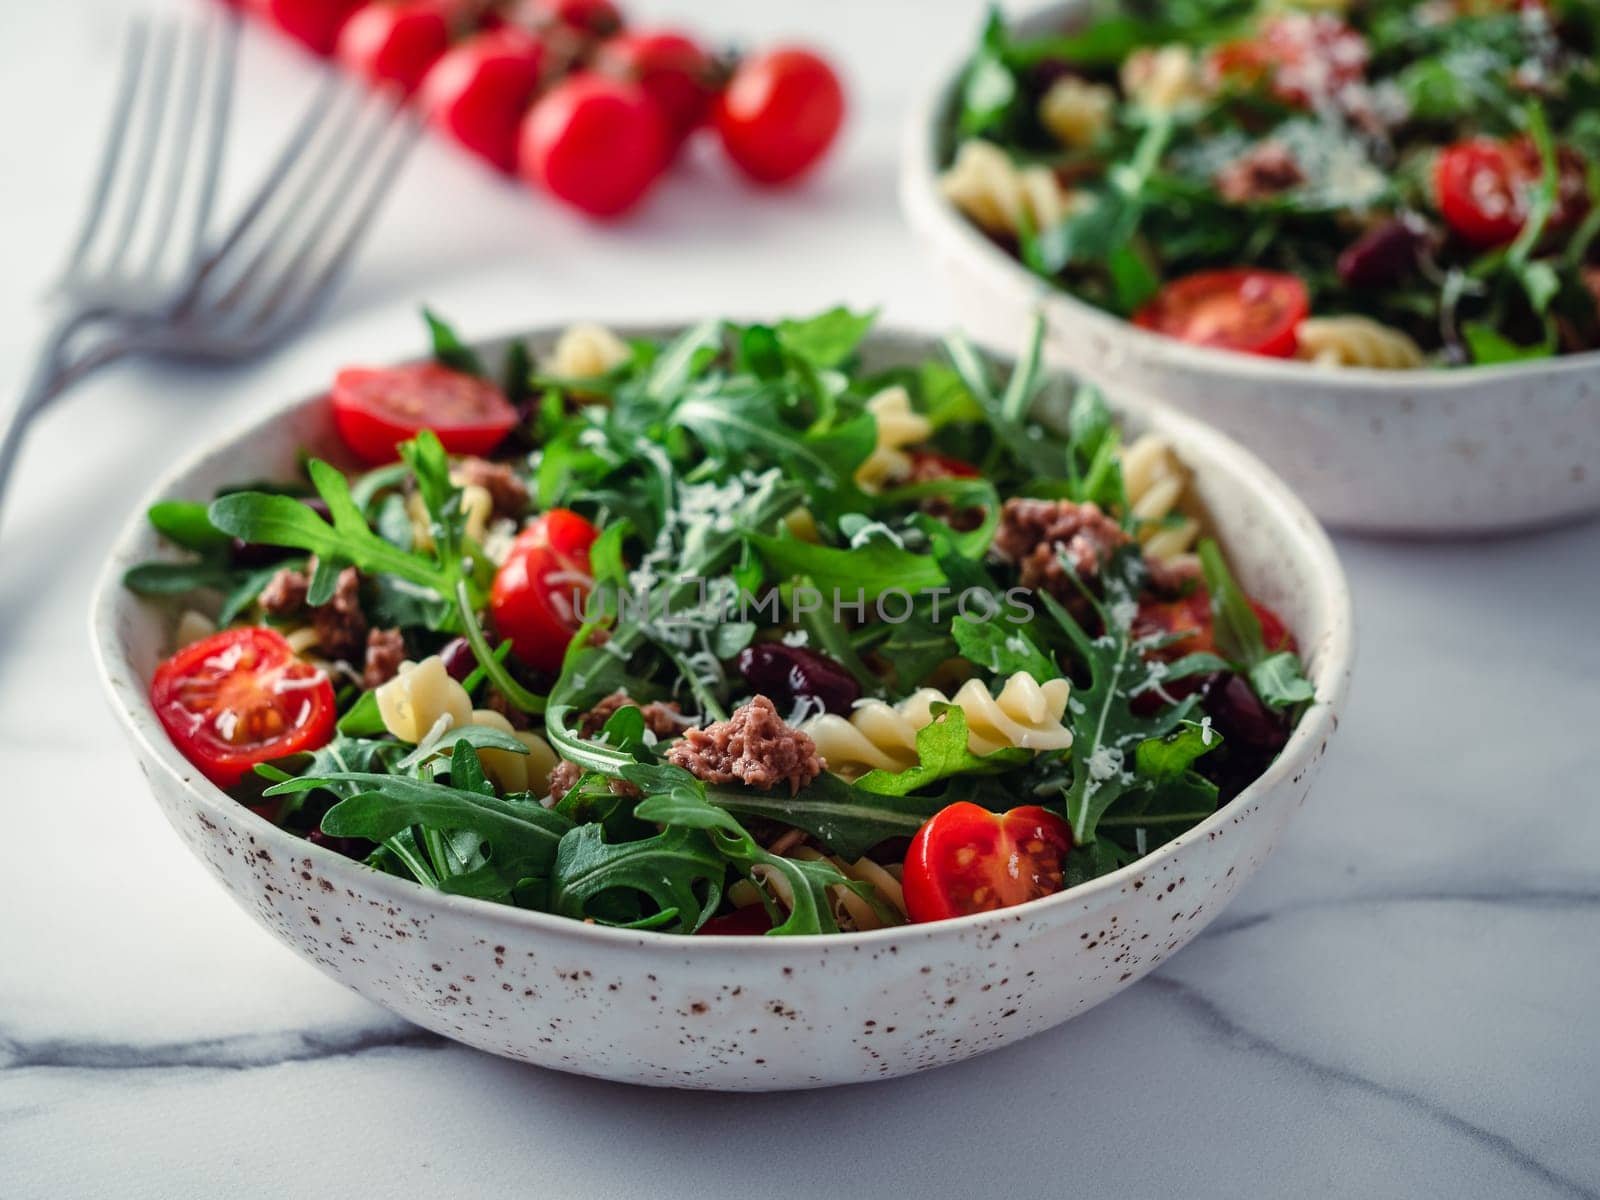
185	297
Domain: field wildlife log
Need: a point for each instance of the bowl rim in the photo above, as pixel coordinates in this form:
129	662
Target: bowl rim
1330	677
931	215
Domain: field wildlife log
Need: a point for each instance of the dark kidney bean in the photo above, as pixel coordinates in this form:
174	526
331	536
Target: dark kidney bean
785	674
1385	254
459	660
1241	718
258	554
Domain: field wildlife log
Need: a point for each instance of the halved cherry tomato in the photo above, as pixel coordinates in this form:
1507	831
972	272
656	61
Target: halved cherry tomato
1190	617
928	465
779	114
376	408
595	142
749	921
540	589
672	69
241	697
588	18
312	23
396	42
1308	58
478	91
966	859
1484	188
1254	312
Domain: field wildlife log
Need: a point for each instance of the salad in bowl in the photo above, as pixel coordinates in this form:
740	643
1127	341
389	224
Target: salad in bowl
1359	238
1380	184
577	659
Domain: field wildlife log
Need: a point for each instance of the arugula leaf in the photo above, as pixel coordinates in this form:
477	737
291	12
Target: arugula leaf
679	800
941	752
184	523
675	869
174	579
1487	345
846	819
827	339
1276	677
523	834
1002	648
873	568
448	349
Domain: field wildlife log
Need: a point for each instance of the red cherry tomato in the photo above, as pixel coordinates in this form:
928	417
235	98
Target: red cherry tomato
1190	617
928	465
312	23
596	143
478	91
1254	312
1307	57
779	114
396	43
1484	188
674	72
241	697
587	18
540	589
749	921
966	859
376	408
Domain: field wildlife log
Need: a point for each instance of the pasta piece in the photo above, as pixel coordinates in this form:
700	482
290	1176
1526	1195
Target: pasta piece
1164	78
1075	111
508	770
985	184
421	698
477	505
879	736
586	351
193	627
898	427
1156	481
1353	341
302	638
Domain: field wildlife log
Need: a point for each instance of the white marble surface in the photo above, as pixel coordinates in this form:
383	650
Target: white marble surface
1402	1003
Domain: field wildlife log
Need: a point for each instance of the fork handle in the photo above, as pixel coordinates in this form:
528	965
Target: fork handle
53	374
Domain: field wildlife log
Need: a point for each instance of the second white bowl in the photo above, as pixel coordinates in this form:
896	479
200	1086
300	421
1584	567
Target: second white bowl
1463	451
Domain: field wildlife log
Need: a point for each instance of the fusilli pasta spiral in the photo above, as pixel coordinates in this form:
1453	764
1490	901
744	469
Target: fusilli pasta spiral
985	184
1155	481
192	627
585	351
898	426
419	698
1352	341
508	770
1163	78
1075	111
851	910
879	736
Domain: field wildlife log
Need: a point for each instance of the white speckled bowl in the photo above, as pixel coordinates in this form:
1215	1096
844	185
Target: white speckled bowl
740	1013
1474	450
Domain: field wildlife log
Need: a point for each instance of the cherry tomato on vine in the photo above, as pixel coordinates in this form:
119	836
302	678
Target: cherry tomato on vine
376	408
539	591
478	91
673	71
966	859
1485	188
779	113
313	23
241	697
1254	312
587	18
396	43
595	142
